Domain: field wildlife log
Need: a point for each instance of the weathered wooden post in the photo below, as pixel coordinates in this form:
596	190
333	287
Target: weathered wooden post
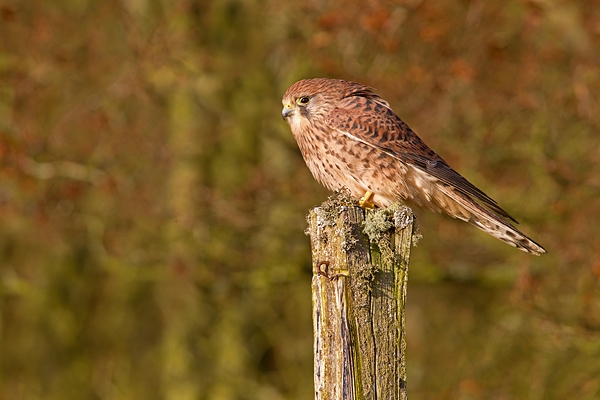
359	292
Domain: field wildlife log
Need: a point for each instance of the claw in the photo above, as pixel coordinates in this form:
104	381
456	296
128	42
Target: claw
367	200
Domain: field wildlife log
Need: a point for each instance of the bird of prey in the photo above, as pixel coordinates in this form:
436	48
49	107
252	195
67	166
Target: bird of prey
350	138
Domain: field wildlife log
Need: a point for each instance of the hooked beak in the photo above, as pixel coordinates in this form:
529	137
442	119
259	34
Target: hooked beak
287	111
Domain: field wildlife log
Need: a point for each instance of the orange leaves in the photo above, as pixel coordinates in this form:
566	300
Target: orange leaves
373	22
462	70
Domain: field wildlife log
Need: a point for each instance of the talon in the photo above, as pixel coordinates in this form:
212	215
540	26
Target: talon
366	200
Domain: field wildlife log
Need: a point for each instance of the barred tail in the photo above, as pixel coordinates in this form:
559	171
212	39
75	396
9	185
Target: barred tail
506	232
472	212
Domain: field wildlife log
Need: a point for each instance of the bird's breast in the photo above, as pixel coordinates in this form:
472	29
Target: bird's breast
340	161
337	162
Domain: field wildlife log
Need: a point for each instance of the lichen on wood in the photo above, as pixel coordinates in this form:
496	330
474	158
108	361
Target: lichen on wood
359	294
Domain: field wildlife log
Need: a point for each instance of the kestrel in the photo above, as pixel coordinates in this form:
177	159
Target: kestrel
350	138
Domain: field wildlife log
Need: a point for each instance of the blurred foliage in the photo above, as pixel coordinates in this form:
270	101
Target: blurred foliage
152	201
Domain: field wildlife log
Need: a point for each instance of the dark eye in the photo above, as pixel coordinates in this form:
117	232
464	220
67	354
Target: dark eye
303	100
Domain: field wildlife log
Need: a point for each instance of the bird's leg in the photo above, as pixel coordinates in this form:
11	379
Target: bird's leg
367	200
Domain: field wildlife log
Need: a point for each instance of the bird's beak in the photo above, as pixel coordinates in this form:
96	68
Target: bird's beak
287	111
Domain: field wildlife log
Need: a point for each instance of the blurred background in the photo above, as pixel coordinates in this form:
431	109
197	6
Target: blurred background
153	202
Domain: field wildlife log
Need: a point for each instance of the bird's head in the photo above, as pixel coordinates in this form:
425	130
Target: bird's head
308	99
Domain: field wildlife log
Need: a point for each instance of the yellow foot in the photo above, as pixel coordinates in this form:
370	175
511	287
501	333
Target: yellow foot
366	200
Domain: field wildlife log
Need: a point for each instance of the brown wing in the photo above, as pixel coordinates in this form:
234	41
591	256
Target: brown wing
368	119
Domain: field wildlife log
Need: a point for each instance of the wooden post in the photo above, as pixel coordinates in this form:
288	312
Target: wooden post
359	294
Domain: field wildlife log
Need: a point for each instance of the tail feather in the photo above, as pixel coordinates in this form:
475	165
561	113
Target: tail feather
489	222
507	233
